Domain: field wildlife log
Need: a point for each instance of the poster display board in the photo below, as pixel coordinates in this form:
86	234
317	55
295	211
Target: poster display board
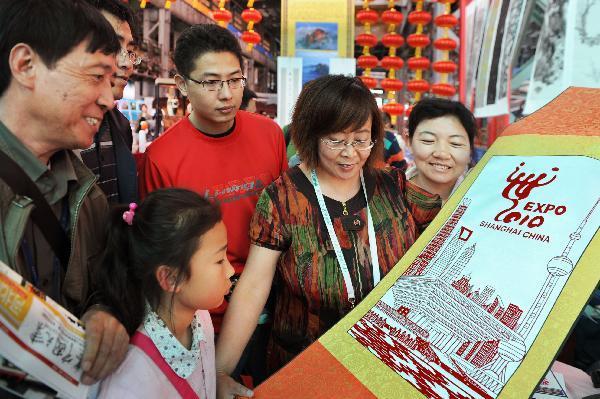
567	53
317	31
494	100
317	25
481	304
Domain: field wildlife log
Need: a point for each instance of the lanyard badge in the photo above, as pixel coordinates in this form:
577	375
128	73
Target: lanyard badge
336	244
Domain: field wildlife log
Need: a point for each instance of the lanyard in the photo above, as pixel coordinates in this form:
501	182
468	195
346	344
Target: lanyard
336	244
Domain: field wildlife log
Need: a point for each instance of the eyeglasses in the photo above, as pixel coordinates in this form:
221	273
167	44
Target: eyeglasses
131	56
360	145
215	85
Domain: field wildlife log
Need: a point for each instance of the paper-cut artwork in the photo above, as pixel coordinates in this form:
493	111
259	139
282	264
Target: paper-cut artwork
456	323
511	255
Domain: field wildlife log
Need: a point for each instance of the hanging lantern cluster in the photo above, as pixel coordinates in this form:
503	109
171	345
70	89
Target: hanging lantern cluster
445	44
392	18
418	41
367	17
222	15
251	16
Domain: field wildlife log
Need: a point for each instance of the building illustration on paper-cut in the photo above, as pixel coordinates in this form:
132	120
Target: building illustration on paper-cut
452	333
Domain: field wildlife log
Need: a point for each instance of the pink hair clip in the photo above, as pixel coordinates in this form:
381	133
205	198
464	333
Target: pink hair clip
128	215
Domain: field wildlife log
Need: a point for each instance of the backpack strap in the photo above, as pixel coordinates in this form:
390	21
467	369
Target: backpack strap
42	215
147	346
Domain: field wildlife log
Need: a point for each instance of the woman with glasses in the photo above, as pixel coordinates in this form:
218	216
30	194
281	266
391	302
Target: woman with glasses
331	227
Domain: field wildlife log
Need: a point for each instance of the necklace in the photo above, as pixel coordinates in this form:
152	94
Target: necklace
335	242
345	211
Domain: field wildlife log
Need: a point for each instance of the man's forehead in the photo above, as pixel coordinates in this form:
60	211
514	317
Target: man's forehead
80	57
213	65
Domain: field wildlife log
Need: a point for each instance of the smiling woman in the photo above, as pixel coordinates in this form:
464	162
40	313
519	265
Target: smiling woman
331	227
441	134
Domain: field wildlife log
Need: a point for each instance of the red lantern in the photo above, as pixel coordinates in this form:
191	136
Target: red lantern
367	61
418	63
251	15
444	67
222	16
445	21
392	40
444	44
392	84
370	82
418	86
393	109
392	62
367	16
251	37
419	17
418	40
366	39
392	17
443	89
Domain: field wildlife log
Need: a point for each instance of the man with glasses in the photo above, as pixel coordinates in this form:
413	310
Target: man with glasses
110	157
224	154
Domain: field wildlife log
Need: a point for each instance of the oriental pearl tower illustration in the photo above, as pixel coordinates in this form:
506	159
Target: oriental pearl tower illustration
558	267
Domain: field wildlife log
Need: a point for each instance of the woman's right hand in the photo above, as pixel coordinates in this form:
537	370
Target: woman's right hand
228	388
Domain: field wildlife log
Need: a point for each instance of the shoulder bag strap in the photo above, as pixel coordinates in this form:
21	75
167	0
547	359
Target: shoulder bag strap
42	215
147	346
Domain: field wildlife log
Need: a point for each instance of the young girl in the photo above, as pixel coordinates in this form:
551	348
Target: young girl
165	264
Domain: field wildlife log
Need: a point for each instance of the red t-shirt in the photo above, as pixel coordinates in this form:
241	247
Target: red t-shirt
230	170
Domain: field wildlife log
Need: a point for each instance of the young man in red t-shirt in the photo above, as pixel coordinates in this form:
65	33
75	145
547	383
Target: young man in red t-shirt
224	154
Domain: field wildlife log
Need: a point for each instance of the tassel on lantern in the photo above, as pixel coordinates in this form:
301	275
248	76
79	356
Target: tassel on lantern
168	3
251	16
445	44
222	15
367	17
418	41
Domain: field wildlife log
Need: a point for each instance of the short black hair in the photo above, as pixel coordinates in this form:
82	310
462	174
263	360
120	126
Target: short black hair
119	10
431	108
332	104
52	28
197	40
246	97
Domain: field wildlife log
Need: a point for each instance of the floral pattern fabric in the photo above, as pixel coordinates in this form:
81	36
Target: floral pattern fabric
181	360
310	295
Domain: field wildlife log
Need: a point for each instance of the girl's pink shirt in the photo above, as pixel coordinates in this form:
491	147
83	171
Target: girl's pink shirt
139	377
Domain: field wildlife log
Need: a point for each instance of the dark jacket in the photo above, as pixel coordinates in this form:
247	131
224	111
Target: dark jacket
126	168
89	213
